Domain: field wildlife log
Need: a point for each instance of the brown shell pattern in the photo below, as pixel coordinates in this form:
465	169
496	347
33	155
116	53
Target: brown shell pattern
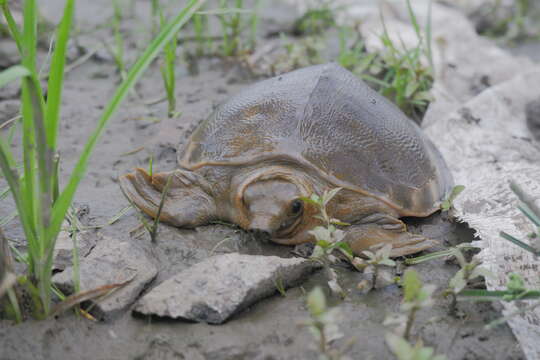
325	119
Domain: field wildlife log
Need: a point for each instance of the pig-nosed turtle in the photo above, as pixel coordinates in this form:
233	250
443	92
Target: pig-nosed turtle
296	134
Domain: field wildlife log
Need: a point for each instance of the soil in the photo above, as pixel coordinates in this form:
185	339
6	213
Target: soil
270	329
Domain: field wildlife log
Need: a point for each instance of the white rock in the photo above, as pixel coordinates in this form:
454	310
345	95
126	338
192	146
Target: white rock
486	143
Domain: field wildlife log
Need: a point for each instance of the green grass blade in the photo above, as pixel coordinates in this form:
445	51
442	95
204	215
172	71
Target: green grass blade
528	212
27	191
429	37
56	76
533	212
7	164
13	73
491	295
12	25
519	243
62	204
438	254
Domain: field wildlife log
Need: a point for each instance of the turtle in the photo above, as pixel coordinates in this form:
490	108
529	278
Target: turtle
256	158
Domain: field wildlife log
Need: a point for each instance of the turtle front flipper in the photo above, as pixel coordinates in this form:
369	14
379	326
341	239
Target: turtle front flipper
373	236
187	202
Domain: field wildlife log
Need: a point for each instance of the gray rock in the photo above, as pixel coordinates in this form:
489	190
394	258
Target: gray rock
111	262
214	289
63	250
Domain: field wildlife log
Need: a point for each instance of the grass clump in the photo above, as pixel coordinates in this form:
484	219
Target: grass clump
405	75
233	21
416	296
41	205
314	20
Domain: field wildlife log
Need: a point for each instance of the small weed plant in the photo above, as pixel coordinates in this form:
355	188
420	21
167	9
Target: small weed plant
323	324
448	203
330	242
416	296
404	78
328	238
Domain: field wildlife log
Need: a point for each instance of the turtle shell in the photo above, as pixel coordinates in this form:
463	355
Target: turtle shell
324	119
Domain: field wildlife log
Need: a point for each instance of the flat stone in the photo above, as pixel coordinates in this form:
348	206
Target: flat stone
63	250
111	262
216	288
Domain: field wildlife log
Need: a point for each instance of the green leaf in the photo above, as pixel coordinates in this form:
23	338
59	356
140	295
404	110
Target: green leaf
321	234
13	73
458	282
387	262
481	271
411	88
345	247
56	76
399	346
318	252
515	283
323	243
456	190
411	285
423	96
316	301
338	222
309	200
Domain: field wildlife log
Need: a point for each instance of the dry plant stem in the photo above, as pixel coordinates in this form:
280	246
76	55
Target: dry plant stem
6	263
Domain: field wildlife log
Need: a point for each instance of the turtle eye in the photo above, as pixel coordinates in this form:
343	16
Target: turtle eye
297	206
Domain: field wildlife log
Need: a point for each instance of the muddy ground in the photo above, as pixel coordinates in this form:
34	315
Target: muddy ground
270	329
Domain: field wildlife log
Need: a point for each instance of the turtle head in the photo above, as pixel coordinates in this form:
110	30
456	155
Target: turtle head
274	207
